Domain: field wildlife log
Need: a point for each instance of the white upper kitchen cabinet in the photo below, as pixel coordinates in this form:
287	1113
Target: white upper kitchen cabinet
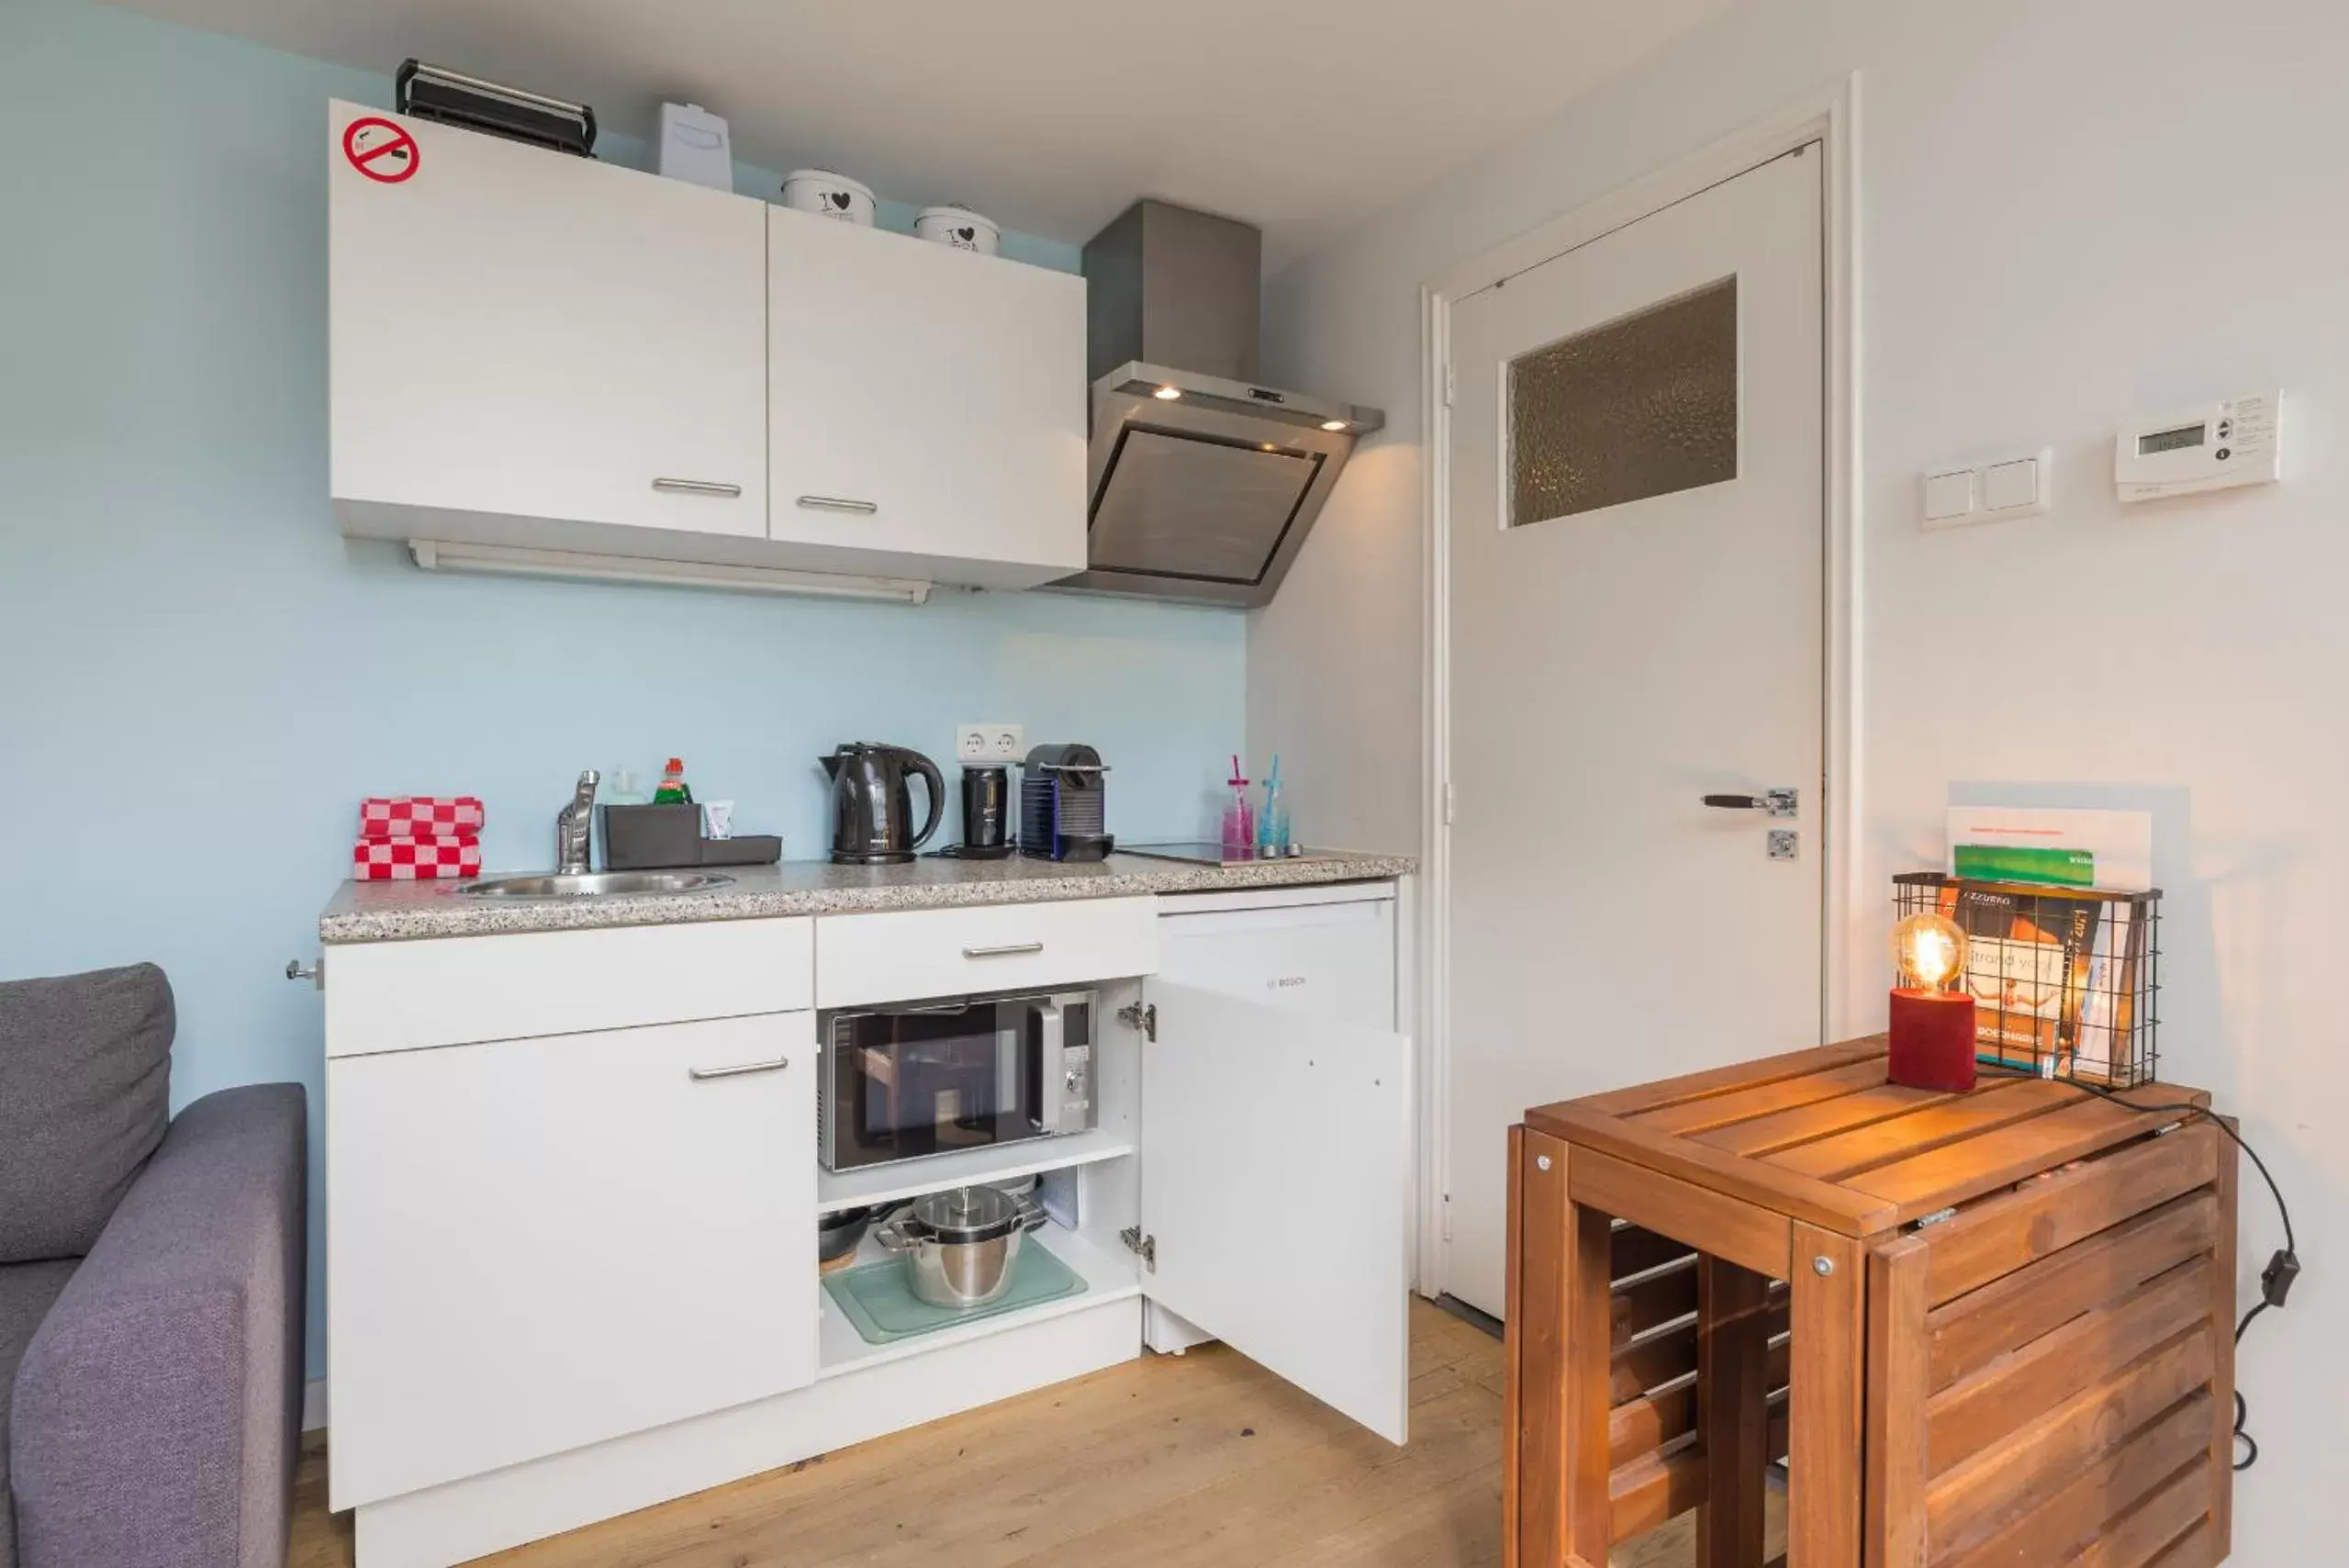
521	339
926	406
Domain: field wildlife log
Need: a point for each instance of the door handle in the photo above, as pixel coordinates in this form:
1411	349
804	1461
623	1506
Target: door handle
1009	950
838	503
697	486
1771	802
740	1069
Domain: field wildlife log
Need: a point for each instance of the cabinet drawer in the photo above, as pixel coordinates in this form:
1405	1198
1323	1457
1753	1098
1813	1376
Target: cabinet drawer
905	956
398	996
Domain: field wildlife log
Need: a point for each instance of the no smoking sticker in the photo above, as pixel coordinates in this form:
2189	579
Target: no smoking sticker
380	150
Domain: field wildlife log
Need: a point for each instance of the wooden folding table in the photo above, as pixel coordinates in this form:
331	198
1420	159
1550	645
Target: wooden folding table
1989	1328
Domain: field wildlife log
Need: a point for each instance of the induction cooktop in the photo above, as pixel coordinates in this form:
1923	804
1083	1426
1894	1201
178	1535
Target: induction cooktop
1208	852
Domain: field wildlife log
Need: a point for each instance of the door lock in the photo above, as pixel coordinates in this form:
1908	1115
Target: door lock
1769	802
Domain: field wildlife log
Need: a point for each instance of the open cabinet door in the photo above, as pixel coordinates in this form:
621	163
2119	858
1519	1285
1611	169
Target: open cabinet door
1276	1182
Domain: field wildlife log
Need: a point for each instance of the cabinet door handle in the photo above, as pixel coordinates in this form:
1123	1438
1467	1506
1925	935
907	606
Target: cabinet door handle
740	1069
697	486
1009	950
838	503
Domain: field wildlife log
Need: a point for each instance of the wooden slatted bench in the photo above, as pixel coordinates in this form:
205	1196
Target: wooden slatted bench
1985	1330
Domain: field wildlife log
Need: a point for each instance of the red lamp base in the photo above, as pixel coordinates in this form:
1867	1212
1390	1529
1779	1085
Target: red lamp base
1932	1040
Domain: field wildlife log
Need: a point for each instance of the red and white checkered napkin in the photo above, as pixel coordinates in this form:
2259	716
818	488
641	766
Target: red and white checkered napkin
415	859
419	816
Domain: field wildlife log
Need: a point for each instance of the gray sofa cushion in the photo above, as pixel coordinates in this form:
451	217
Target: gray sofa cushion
85	1079
25	1292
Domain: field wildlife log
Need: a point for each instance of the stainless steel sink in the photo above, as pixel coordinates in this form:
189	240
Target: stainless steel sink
598	884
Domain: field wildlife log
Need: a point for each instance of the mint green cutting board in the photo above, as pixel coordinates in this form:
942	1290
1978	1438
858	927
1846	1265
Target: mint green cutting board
884	1308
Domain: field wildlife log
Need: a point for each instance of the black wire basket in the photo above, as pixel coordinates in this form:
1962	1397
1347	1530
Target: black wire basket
2066	981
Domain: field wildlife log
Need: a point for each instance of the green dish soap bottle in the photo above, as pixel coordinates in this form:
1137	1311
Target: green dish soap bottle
674	789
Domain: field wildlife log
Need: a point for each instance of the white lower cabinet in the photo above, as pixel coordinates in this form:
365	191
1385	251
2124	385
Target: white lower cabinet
572	1276
541	1244
1275	1176
1276	1144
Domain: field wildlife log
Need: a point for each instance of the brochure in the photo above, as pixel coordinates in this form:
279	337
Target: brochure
2113	850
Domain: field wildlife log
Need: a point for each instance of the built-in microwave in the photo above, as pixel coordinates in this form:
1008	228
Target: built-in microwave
939	1078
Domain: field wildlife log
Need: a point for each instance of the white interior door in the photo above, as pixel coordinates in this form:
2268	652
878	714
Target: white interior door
1276	1182
1636	611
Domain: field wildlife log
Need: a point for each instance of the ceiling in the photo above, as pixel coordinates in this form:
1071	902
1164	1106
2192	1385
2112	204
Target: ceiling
1049	116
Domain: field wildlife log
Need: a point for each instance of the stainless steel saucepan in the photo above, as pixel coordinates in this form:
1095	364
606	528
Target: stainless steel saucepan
960	1245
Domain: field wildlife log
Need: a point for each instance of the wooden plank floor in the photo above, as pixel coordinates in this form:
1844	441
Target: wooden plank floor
1203	1461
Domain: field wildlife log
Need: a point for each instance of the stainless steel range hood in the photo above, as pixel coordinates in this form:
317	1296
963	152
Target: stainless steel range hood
1203	483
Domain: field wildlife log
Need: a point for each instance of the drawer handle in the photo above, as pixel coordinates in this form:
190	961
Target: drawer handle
1009	950
838	503
697	486
740	1069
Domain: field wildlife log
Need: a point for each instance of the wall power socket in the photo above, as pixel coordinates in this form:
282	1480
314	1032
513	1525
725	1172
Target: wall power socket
990	743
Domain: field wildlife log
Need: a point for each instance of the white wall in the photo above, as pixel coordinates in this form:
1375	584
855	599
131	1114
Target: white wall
2069	211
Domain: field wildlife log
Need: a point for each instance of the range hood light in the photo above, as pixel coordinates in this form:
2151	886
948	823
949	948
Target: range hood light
1167	394
1334	425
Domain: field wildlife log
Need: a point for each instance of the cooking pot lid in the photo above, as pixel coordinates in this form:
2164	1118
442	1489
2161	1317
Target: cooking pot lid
967	1213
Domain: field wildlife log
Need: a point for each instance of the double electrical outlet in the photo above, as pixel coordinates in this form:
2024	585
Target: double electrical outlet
990	743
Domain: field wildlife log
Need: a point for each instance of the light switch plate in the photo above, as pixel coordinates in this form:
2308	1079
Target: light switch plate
2002	488
1949	498
2010	486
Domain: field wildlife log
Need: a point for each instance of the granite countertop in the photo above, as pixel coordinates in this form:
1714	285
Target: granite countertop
393	911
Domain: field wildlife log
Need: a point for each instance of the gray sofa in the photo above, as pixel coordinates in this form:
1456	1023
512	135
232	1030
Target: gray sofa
152	1276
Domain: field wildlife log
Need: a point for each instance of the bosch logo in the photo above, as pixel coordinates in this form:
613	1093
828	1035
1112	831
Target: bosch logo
1285	982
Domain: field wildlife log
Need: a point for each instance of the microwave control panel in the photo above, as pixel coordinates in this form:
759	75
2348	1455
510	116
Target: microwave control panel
2216	447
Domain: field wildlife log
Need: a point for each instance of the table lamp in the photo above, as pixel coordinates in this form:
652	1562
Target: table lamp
1932	1013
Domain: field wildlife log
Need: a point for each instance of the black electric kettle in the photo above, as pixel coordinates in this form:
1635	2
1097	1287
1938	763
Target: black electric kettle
872	810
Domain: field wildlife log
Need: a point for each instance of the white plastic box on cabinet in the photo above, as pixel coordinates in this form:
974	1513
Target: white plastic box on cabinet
535	350
927	406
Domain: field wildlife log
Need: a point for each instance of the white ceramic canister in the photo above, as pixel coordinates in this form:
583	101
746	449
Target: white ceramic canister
959	227
833	195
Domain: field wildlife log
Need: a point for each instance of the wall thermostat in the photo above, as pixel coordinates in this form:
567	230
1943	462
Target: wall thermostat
2215	447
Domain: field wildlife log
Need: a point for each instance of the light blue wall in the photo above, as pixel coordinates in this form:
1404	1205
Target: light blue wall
199	679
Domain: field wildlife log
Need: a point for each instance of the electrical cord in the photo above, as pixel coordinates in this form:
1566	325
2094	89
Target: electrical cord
2283	1268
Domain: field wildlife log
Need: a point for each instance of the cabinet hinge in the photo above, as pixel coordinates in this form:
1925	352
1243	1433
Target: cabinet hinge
1452	384
1938	1217
1143	1247
1142	1016
1448	802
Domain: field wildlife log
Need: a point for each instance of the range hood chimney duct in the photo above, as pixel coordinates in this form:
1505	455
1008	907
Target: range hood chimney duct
1175	288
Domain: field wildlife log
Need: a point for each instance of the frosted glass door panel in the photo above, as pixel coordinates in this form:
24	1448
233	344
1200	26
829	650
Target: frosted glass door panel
1642	406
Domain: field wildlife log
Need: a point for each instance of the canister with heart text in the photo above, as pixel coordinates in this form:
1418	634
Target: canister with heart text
830	195
959	227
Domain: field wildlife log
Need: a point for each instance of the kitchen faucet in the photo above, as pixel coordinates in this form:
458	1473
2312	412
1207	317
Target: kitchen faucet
573	826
